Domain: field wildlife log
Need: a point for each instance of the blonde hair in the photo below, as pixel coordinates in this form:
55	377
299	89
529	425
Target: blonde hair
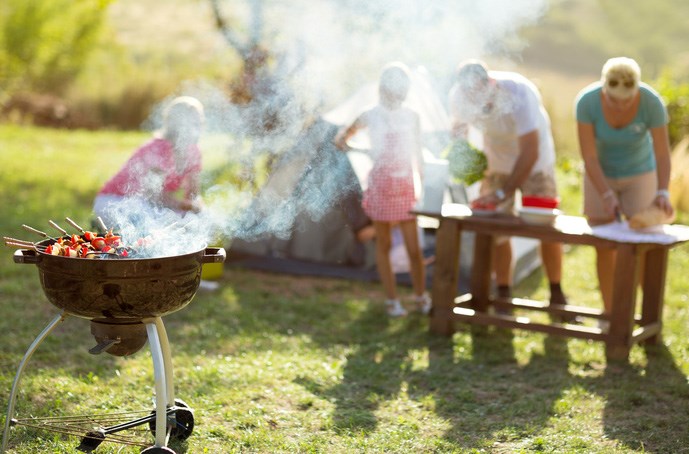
621	77
395	81
184	105
180	113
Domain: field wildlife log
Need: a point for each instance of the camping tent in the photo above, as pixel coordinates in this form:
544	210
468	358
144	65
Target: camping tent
305	218
310	208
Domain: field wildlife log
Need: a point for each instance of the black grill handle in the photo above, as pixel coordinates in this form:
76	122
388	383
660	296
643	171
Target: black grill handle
213	255
26	256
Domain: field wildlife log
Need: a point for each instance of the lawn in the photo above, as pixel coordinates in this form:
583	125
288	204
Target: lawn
274	363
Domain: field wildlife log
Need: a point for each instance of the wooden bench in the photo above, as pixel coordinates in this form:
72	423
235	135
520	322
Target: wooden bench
624	329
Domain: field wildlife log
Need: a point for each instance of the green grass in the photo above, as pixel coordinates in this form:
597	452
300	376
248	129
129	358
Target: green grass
273	363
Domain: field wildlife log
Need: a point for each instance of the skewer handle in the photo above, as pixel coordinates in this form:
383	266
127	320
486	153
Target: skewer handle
58	228
15	240
75	225
32	230
20	245
102	224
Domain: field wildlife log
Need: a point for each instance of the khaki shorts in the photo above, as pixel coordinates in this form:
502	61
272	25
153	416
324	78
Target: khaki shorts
539	184
634	194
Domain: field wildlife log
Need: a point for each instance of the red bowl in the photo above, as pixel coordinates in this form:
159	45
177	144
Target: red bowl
540	202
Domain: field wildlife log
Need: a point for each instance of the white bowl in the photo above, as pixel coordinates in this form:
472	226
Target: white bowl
542	216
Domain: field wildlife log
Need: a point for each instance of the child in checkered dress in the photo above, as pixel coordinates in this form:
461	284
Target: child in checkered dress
392	192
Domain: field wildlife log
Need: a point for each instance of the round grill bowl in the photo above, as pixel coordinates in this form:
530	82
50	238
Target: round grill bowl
122	288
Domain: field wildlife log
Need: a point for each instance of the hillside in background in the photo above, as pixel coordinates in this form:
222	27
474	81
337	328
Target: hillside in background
576	36
563	50
152	48
566	49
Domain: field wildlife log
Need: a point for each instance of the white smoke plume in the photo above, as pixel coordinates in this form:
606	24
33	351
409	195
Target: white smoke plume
327	50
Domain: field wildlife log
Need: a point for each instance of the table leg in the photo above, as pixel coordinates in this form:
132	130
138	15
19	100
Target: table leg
625	282
445	276
481	272
655	273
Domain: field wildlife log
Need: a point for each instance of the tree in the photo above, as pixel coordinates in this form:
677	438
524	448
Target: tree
45	43
263	85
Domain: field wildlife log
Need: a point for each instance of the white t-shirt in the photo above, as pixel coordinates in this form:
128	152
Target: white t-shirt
403	123
516	110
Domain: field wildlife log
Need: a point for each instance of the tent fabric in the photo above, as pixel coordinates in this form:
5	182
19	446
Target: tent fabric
297	267
310	208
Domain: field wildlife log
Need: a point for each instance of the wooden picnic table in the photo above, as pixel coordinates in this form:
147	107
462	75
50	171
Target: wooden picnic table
625	327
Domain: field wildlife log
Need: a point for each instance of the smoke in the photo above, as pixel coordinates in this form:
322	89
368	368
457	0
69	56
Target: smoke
346	42
323	52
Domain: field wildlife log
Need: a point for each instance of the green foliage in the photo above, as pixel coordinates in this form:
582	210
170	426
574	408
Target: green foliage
66	48
675	92
45	43
467	163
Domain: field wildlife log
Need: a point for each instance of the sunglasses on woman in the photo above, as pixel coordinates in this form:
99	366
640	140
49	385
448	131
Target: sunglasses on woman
627	84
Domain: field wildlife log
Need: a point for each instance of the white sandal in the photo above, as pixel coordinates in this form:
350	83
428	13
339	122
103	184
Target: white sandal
423	303
394	308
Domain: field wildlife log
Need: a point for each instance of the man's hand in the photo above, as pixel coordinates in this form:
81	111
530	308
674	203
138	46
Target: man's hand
486	202
459	130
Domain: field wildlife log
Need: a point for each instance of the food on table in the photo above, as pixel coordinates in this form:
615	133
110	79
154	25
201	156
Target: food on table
477	205
467	163
650	217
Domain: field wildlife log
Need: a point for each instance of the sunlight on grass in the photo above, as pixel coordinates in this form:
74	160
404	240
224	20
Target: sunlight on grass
275	363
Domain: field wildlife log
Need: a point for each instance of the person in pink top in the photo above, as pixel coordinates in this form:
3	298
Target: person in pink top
163	173
391	194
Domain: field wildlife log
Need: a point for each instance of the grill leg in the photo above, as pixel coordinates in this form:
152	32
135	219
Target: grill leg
167	359
15	385
161	363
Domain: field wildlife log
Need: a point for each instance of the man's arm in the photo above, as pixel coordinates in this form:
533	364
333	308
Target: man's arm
528	155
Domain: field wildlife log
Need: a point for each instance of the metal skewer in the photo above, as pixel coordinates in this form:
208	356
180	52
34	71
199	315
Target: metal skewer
75	225
58	228
37	232
23	245
15	240
102	224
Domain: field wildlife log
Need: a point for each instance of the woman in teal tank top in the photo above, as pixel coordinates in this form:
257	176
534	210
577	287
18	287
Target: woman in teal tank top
623	139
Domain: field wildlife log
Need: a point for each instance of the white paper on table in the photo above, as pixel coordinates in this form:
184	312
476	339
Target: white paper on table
660	234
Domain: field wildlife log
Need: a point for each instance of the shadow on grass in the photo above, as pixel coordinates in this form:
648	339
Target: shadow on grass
372	375
646	408
472	381
481	393
487	395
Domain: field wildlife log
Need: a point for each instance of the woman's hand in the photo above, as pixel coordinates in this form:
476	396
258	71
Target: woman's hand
610	202
662	200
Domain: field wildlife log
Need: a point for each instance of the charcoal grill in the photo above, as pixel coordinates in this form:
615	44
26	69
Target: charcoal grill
125	300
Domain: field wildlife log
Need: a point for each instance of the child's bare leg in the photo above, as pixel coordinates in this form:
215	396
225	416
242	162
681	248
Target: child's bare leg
383	265
417	268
